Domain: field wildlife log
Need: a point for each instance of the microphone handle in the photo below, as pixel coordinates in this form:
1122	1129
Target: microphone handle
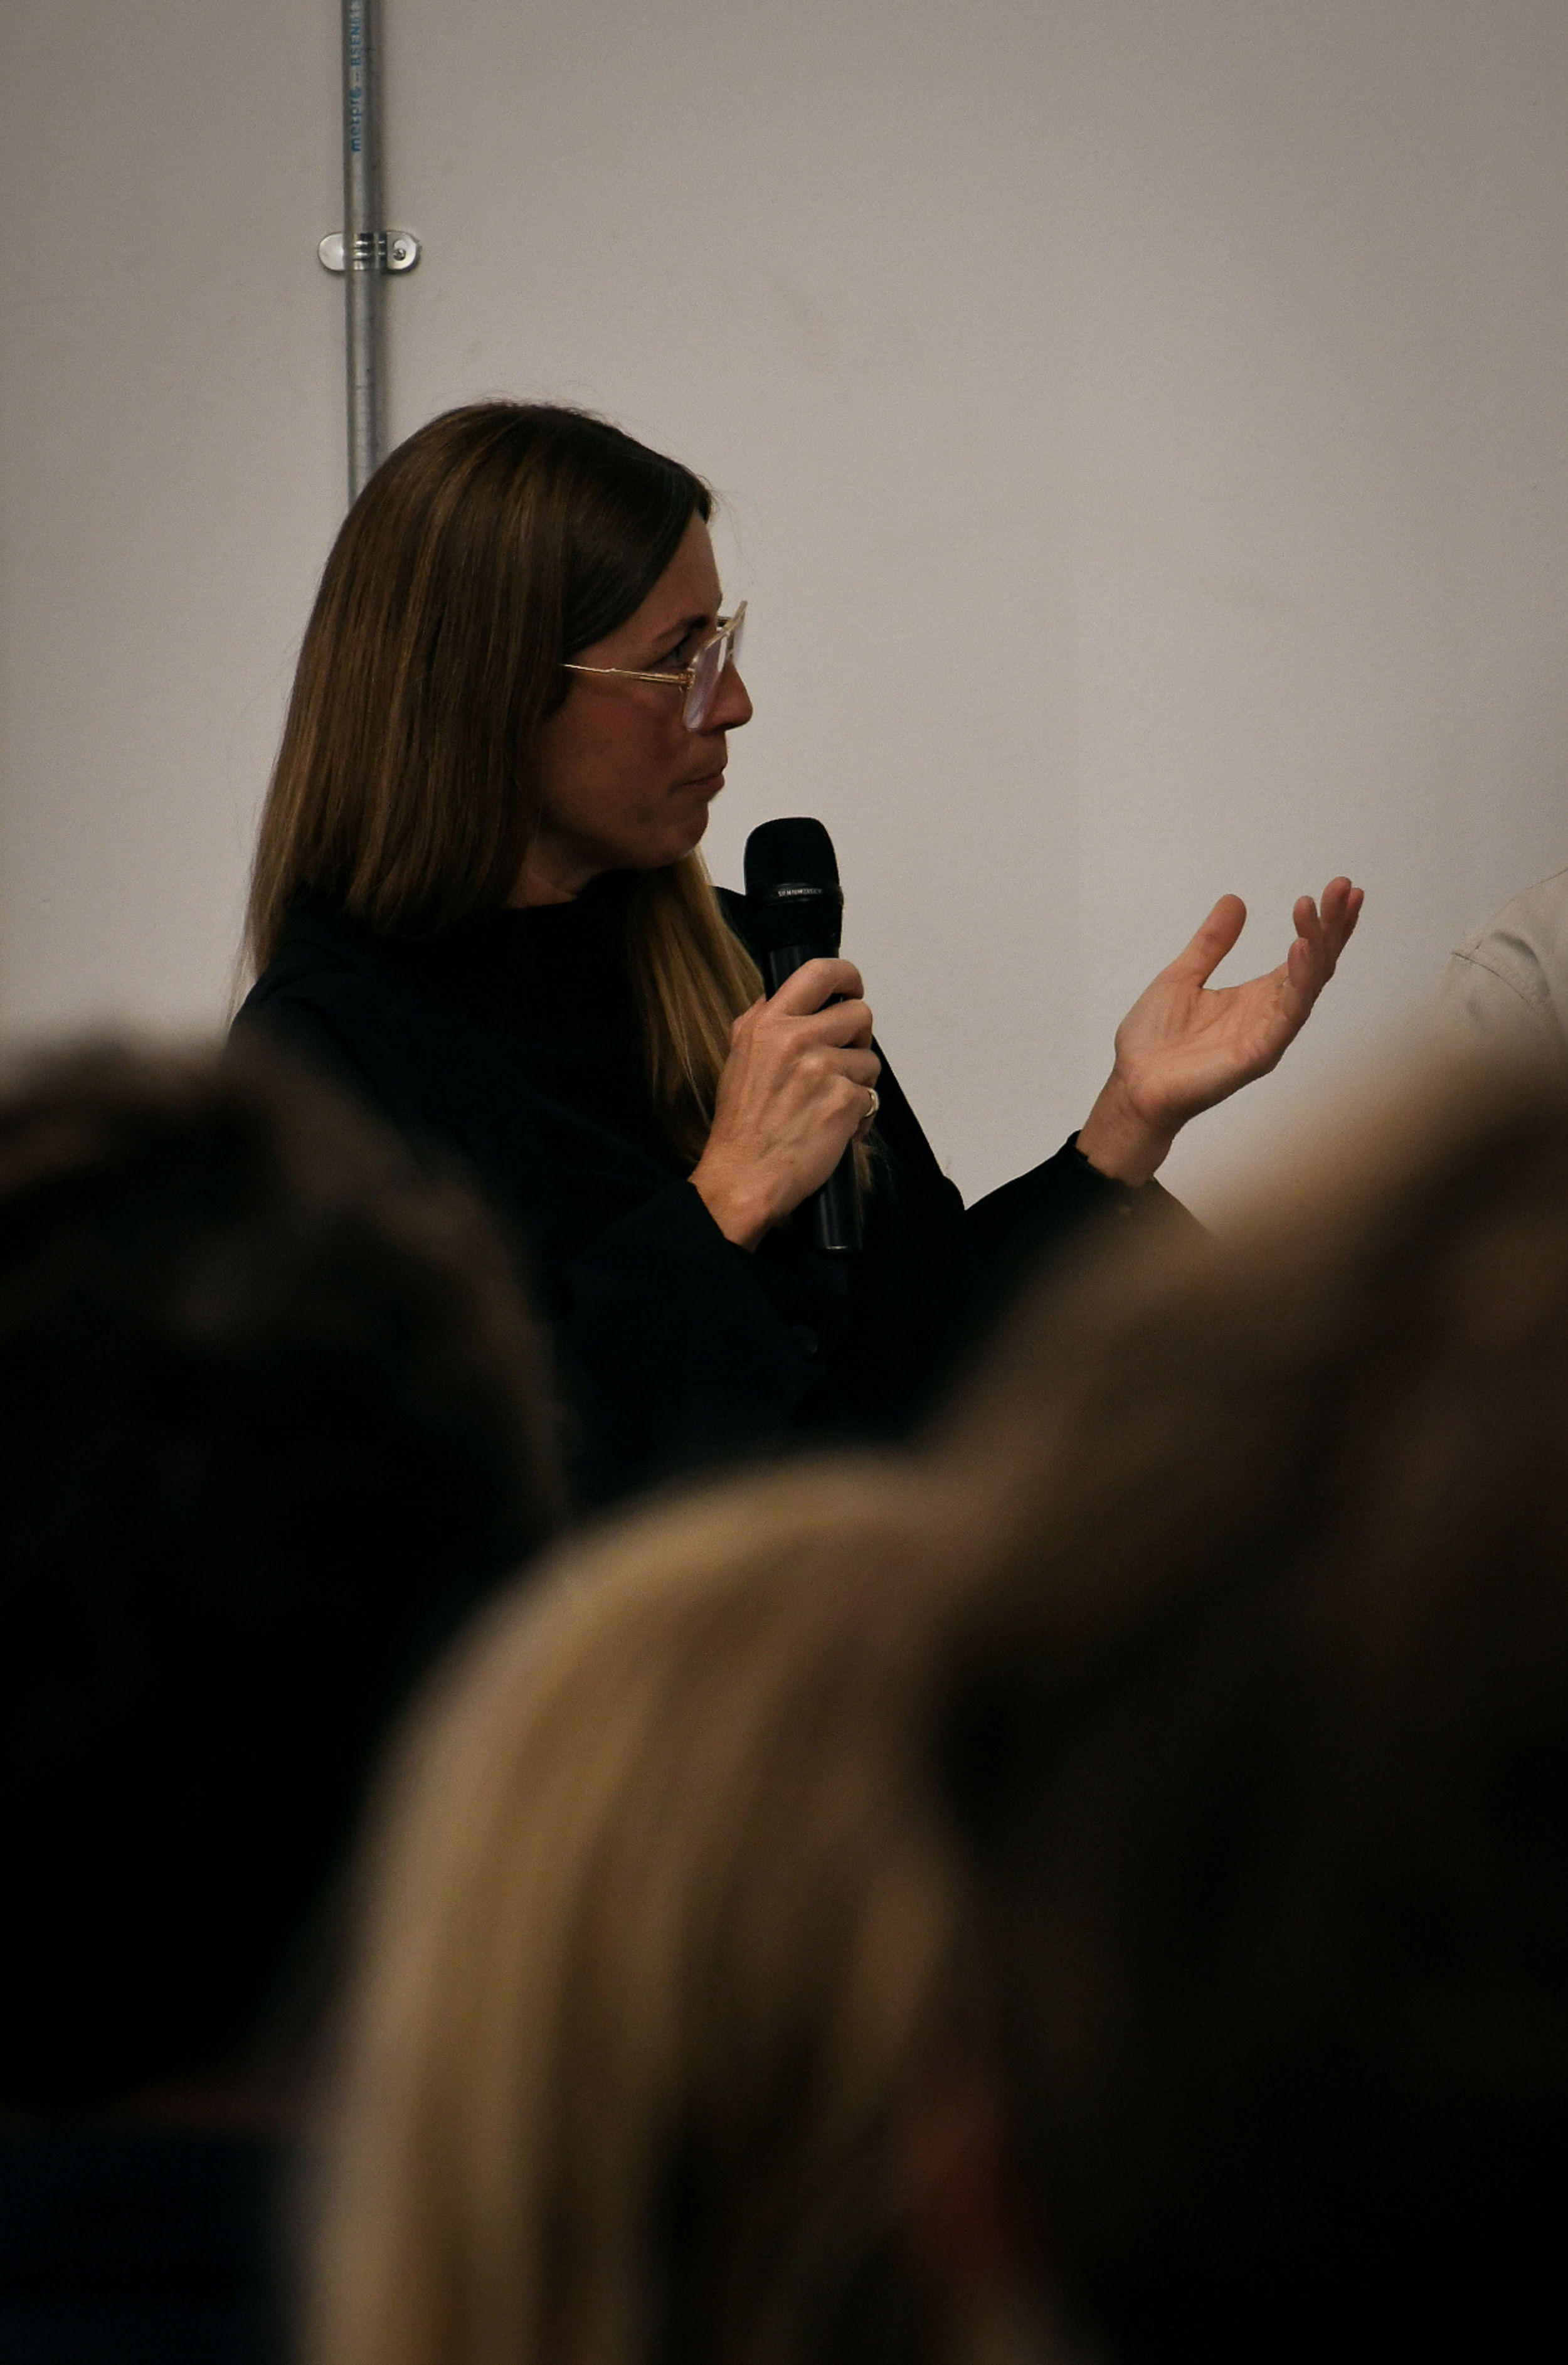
837	1224
837	1219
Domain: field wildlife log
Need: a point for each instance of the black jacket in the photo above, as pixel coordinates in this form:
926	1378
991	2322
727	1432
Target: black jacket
514	1043
128	2245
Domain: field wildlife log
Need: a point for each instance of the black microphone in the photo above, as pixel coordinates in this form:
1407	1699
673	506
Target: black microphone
795	913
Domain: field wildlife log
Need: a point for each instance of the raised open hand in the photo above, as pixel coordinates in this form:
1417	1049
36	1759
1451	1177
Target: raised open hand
1185	1043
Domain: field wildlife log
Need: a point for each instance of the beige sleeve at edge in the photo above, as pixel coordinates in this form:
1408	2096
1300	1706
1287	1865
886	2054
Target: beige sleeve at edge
1477	1010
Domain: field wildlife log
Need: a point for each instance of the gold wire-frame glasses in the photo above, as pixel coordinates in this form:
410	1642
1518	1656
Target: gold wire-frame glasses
699	679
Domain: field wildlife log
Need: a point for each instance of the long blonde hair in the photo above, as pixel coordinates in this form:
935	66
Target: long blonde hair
659	1934
490	548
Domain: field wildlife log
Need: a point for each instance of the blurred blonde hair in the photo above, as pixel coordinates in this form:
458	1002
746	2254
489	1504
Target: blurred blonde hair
658	1934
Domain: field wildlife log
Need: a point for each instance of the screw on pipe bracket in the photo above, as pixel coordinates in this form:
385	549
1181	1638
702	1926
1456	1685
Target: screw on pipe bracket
385	250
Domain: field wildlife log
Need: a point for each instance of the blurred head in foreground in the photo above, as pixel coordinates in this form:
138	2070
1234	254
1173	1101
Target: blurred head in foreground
273	1423
1260	1743
658	1950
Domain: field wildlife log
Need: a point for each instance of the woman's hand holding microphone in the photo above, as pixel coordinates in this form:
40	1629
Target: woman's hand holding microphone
794	1093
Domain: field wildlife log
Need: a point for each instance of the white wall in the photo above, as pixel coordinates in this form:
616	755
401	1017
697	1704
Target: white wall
1143	426
171	473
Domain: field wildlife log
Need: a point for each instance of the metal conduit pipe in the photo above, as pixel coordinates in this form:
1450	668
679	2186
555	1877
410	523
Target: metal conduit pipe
364	241
364	250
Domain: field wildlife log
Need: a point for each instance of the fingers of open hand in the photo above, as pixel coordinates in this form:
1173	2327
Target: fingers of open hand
1209	946
1309	963
1185	1045
1323	930
1341	907
1308	925
1304	970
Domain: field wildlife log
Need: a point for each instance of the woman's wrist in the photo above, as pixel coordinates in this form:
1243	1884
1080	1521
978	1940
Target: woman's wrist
731	1201
1118	1142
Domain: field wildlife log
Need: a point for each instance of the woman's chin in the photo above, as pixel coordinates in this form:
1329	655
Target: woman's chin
687	841
679	832
667	858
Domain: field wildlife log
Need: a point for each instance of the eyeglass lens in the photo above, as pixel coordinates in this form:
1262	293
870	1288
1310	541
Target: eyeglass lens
706	674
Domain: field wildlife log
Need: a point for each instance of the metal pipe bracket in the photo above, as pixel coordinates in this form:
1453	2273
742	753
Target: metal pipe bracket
384	250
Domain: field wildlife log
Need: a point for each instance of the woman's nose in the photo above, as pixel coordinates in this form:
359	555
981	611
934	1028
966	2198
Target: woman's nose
732	705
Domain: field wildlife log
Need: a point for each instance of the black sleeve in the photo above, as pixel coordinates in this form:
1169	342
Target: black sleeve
674	1356
1019	1229
1043	1208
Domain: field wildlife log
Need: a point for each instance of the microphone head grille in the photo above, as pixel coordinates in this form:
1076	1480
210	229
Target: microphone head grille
789	853
792	892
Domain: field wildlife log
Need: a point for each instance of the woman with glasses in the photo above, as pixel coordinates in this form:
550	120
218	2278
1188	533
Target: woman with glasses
478	901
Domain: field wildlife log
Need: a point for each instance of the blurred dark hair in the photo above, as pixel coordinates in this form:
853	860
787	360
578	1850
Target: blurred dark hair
1260	1747
273	1420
